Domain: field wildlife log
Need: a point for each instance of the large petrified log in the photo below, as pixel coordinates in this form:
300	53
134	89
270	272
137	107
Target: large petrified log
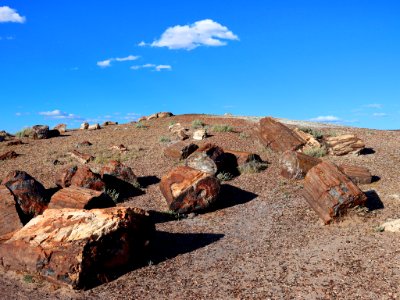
120	171
64	176
82	198
200	161
278	136
180	150
84	177
187	190
40	132
9	218
243	157
359	175
28	192
78	247
330	192
344	144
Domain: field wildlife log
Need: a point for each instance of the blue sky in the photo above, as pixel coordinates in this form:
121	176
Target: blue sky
70	61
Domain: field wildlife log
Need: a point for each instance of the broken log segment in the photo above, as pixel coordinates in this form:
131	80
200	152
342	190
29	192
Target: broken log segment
9	217
359	175
81	157
78	247
200	161
344	144
81	198
330	192
187	190
243	157
295	165
180	150
278	136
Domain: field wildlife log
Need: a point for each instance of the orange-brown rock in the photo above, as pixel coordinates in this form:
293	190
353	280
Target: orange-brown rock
277	136
120	171
344	144
64	176
108	123
81	198
359	175
78	247
186	189
15	143
295	165
81	157
84	177
243	157
8	155
28	192
9	218
311	142
330	192
62	128
180	150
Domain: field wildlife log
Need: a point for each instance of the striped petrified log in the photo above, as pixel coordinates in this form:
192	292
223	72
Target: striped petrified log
330	192
278	136
344	144
82	198
359	175
186	189
180	150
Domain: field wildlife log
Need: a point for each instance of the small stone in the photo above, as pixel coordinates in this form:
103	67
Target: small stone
200	134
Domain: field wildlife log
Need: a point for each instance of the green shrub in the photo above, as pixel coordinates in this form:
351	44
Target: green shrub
140	125
24	132
224	176
244	135
315	151
222	128
253	166
165	139
197	124
114	195
317	134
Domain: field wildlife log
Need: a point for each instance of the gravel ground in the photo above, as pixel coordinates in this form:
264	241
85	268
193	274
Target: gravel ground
261	241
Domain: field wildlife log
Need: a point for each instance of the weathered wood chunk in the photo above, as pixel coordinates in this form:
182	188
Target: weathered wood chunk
330	192
62	128
359	175
187	190
15	143
78	247
180	150
344	144
199	134
81	198
40	132
8	155
295	165
120	171
84	177
200	161
94	127
243	157
9	218
64	177
81	157
278	136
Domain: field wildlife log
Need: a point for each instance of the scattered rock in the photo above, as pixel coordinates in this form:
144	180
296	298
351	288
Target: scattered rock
9	218
180	150
151	117
344	144
62	128
84	126
84	177
8	155
178	131
94	127
200	161
28	192
141	119
187	190
83	144
330	192
120	148
311	142
359	175
64	177
119	170
295	165
277	136
40	132
199	134
108	123
81	198
81	157
391	226
15	143
161	115
79	247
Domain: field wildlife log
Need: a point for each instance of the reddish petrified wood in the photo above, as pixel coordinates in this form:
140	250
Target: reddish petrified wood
180	150
29	193
243	157
64	177
119	170
15	143
359	175
330	192
40	132
295	165
9	218
78	247
277	136
77	197
81	157
200	161
187	190
8	155
85	178
344	144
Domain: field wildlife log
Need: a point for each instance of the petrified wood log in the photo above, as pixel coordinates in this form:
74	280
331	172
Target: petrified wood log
359	175
200	161
295	165
180	150
277	136
243	157
330	192
78	247
28	192
64	177
62	128
8	155
84	177
81	198
39	132
81	157
9	218
187	190
344	144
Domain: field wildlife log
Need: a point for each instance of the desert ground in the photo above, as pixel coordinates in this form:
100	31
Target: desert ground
260	240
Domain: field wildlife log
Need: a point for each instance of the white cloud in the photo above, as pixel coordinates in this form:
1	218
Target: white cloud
163	67
148	66
325	119
58	114
201	33
107	62
18	114
142	44
152	66
379	114
8	14
374	105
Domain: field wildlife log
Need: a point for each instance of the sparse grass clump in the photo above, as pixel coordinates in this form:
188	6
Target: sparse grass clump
244	135
114	195
197	124
317	134
165	139
140	125
28	278
315	151
253	166
222	128
24	132
224	176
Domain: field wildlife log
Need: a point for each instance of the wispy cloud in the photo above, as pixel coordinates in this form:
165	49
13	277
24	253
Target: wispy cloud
107	62
157	68
374	105
10	15
201	33
325	119
379	114
58	114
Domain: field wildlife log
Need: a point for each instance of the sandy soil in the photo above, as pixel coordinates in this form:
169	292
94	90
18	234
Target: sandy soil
261	241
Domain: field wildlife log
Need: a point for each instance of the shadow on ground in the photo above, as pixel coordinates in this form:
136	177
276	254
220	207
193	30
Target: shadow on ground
231	196
145	181
373	200
367	151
